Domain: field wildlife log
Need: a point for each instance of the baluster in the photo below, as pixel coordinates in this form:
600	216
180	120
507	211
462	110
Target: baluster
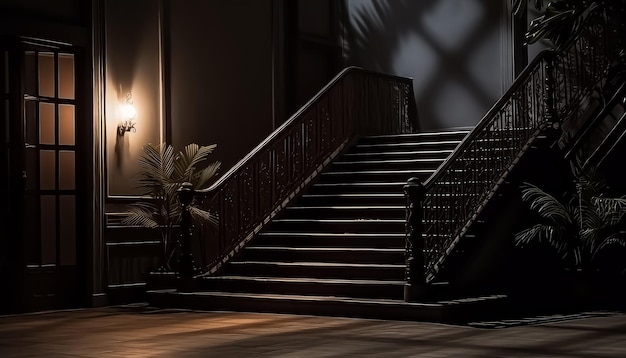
550	89
186	264
415	192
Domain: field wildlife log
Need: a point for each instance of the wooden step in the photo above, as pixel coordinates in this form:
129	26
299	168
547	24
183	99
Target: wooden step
362	255
359	176
317	269
307	239
388	289
390	199
448	311
352	225
355	212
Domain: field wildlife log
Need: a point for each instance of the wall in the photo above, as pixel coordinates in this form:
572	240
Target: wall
221	75
453	50
132	66
59	11
198	71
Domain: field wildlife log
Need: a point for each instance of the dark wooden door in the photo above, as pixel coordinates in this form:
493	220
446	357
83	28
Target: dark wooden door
41	154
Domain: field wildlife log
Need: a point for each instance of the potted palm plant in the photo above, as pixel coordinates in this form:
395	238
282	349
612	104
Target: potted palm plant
580	226
161	173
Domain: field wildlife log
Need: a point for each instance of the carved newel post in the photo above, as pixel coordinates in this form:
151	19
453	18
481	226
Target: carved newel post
414	276
185	263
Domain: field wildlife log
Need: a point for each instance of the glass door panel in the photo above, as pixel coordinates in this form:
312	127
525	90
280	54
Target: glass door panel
50	171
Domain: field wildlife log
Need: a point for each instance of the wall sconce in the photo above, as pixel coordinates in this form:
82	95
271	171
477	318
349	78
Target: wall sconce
128	114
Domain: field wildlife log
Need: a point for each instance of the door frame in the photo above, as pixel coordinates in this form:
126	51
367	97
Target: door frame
22	298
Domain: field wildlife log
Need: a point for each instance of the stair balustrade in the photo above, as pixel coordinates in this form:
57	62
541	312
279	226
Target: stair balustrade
551	90
356	102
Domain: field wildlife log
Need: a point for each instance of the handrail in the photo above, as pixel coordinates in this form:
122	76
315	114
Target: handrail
491	113
548	91
356	102
291	119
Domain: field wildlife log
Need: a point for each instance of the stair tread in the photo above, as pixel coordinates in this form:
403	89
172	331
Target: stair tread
386	183
412	152
409	144
390	171
286	233
355	195
391	161
317	264
294	248
321	298
307	280
421	134
347	207
339	220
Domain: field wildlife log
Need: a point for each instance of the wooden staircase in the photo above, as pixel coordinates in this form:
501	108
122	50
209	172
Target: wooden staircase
340	248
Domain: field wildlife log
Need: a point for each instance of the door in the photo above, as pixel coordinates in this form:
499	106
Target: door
42	158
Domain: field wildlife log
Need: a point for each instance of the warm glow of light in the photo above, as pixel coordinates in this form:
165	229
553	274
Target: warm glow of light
128	111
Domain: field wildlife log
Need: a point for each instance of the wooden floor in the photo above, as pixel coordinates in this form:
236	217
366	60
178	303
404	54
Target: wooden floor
136	331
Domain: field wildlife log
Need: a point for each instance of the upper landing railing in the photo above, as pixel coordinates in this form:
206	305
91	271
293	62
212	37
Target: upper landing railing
549	91
356	102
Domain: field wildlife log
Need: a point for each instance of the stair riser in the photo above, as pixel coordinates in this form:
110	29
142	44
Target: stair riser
393	147
394	200
389	165
387	291
344	213
399	155
372	177
412	138
331	241
377	226
357	189
368	257
268	270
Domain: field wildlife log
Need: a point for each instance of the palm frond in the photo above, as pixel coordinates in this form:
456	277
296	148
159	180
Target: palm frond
612	211
616	239
545	205
189	158
202	178
538	233
520	6
585	214
203	215
140	215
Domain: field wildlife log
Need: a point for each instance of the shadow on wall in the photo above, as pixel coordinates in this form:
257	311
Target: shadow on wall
451	48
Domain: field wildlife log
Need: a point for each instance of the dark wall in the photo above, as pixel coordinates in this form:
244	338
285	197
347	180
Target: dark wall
61	11
132	67
221	75
453	50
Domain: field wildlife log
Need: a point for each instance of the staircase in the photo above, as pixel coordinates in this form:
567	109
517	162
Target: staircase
310	224
338	249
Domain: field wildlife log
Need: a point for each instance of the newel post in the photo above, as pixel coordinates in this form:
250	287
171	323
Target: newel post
186	263
414	274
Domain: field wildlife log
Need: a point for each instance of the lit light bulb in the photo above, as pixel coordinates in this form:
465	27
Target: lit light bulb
128	111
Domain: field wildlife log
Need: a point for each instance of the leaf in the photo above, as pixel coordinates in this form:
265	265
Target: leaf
538	233
206	174
613	240
612	211
189	158
140	215
545	205
519	7
203	216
